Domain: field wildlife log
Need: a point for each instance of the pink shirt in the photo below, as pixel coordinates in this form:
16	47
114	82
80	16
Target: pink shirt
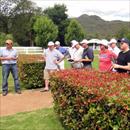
105	60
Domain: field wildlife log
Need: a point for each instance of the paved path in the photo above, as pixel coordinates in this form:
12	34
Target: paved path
27	101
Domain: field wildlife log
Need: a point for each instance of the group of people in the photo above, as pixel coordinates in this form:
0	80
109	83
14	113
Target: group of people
80	55
111	58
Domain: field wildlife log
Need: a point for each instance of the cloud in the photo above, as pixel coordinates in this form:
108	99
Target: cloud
106	9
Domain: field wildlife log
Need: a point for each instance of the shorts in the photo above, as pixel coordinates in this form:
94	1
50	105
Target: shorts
48	72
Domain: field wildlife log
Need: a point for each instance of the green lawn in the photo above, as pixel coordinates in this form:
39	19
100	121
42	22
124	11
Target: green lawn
44	119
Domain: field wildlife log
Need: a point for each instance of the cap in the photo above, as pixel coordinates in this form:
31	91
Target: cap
9	41
112	41
124	40
84	41
50	43
57	43
74	43
104	42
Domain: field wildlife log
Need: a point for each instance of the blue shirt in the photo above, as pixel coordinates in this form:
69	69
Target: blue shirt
62	50
8	53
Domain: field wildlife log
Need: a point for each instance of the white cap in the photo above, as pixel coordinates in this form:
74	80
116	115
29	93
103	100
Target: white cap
57	43
104	42
84	41
50	43
113	41
74	43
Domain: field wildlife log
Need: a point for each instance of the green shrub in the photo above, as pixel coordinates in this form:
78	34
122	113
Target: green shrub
31	75
91	100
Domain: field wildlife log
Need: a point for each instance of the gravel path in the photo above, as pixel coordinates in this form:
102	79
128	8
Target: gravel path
27	101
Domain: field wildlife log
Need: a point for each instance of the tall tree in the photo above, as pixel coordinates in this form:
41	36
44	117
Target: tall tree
74	32
16	18
6	12
60	18
45	30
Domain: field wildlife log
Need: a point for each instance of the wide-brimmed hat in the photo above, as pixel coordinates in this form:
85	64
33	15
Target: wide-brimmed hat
84	41
112	41
104	42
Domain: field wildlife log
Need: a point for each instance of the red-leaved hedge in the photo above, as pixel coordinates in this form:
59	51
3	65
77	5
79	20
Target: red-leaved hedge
90	100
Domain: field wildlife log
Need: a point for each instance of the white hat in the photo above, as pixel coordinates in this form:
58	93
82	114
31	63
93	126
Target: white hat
104	42
74	43
57	43
113	41
84	41
50	43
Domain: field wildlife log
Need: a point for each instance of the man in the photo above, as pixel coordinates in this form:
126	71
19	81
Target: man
88	55
123	59
8	57
63	51
114	47
77	55
52	57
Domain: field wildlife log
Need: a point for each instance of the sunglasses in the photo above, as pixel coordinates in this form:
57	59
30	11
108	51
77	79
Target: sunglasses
8	43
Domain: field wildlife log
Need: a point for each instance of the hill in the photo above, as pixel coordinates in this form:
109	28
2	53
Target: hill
99	28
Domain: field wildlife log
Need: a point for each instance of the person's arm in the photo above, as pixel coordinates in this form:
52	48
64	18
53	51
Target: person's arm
126	67
7	58
60	56
89	57
113	57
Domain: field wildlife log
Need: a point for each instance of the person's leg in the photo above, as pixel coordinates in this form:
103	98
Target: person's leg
46	80
14	71
5	75
61	64
46	84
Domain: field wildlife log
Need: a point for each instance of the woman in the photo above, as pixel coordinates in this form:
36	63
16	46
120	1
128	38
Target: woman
106	57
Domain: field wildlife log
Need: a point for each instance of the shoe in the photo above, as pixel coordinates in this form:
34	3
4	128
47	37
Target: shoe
44	90
4	93
18	92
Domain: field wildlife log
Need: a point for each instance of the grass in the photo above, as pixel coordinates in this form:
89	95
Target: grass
44	119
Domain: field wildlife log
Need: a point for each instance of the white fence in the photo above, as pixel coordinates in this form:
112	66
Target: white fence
28	50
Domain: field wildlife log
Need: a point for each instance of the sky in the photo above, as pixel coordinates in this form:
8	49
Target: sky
106	9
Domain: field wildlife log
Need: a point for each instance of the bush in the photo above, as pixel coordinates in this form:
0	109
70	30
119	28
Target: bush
91	100
31	71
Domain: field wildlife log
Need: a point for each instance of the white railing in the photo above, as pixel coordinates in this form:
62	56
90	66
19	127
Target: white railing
28	50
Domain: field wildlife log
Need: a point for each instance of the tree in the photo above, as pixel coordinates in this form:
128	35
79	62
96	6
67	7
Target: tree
74	32
16	18
4	37
45	30
123	33
60	18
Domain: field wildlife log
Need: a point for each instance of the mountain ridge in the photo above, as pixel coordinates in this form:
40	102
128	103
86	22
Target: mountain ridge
97	27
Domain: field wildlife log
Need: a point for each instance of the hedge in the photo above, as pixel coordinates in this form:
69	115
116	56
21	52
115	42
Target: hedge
31	71
91	100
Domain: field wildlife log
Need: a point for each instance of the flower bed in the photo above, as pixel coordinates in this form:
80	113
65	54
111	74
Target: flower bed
90	100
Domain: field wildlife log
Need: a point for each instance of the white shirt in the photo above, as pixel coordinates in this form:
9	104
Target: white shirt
77	55
51	57
115	50
8	53
71	52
